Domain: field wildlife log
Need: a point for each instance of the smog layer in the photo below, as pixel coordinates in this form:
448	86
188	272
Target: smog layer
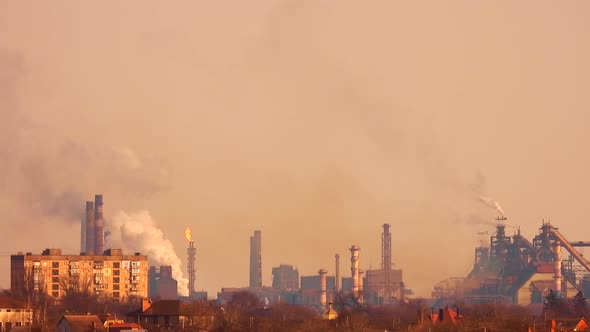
313	122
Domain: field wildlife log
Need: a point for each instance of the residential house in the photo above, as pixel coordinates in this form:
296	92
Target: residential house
13	313
80	323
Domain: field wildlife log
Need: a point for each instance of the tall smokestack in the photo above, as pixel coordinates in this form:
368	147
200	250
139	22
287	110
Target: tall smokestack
337	257
83	233
256	260
557	268
98	226
323	287
354	269
386	261
89	229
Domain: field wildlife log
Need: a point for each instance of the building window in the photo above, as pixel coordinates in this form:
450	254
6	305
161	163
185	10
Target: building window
115	294
55	287
55	272
116	280
55	294
115	287
116	265
116	272
54	280
55	265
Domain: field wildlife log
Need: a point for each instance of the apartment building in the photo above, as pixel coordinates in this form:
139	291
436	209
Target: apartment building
112	274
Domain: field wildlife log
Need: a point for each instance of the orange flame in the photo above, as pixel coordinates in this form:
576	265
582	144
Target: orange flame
188	234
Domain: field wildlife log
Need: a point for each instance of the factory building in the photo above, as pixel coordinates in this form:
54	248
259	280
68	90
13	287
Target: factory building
383	287
514	269
111	274
285	277
256	260
161	284
312	292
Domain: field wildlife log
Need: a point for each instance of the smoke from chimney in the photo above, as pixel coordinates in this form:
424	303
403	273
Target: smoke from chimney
139	232
490	202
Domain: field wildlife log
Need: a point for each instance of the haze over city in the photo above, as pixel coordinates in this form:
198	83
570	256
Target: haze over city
312	122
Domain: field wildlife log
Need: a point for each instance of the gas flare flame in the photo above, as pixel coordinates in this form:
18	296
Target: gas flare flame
188	234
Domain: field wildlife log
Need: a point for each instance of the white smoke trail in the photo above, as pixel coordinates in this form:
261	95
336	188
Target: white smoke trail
490	202
138	232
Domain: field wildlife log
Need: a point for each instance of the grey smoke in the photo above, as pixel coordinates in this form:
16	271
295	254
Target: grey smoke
45	176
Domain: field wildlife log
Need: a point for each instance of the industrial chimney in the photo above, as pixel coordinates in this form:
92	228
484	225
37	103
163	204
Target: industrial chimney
337	257
90	230
256	260
323	288
361	285
99	226
354	269
557	268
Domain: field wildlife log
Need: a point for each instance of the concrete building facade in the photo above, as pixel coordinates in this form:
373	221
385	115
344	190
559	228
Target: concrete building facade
111	274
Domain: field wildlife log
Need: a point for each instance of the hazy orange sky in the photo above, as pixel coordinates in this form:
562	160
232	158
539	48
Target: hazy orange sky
313	121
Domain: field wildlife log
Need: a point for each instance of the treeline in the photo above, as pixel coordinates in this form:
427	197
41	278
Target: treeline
245	312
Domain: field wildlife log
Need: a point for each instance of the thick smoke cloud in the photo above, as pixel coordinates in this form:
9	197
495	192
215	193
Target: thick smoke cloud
139	232
45	179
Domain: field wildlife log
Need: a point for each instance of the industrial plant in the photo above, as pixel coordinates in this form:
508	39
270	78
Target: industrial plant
372	287
515	270
509	269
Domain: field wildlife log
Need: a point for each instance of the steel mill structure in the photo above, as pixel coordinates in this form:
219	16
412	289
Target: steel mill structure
192	254
92	228
514	269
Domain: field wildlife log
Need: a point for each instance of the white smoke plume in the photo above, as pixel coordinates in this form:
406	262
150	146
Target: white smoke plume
490	202
138	232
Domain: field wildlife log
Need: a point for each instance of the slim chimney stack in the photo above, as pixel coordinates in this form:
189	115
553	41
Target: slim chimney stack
557	268
99	226
354	269
323	287
337	257
89	229
256	260
361	285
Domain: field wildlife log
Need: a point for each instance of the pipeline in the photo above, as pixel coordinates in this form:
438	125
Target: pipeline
570	248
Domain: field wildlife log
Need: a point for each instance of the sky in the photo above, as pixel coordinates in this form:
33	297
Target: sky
313	121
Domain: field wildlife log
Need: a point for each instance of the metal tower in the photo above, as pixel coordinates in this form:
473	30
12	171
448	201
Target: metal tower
386	261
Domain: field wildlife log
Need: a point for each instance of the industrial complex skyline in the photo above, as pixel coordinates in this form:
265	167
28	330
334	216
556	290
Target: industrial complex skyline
313	123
